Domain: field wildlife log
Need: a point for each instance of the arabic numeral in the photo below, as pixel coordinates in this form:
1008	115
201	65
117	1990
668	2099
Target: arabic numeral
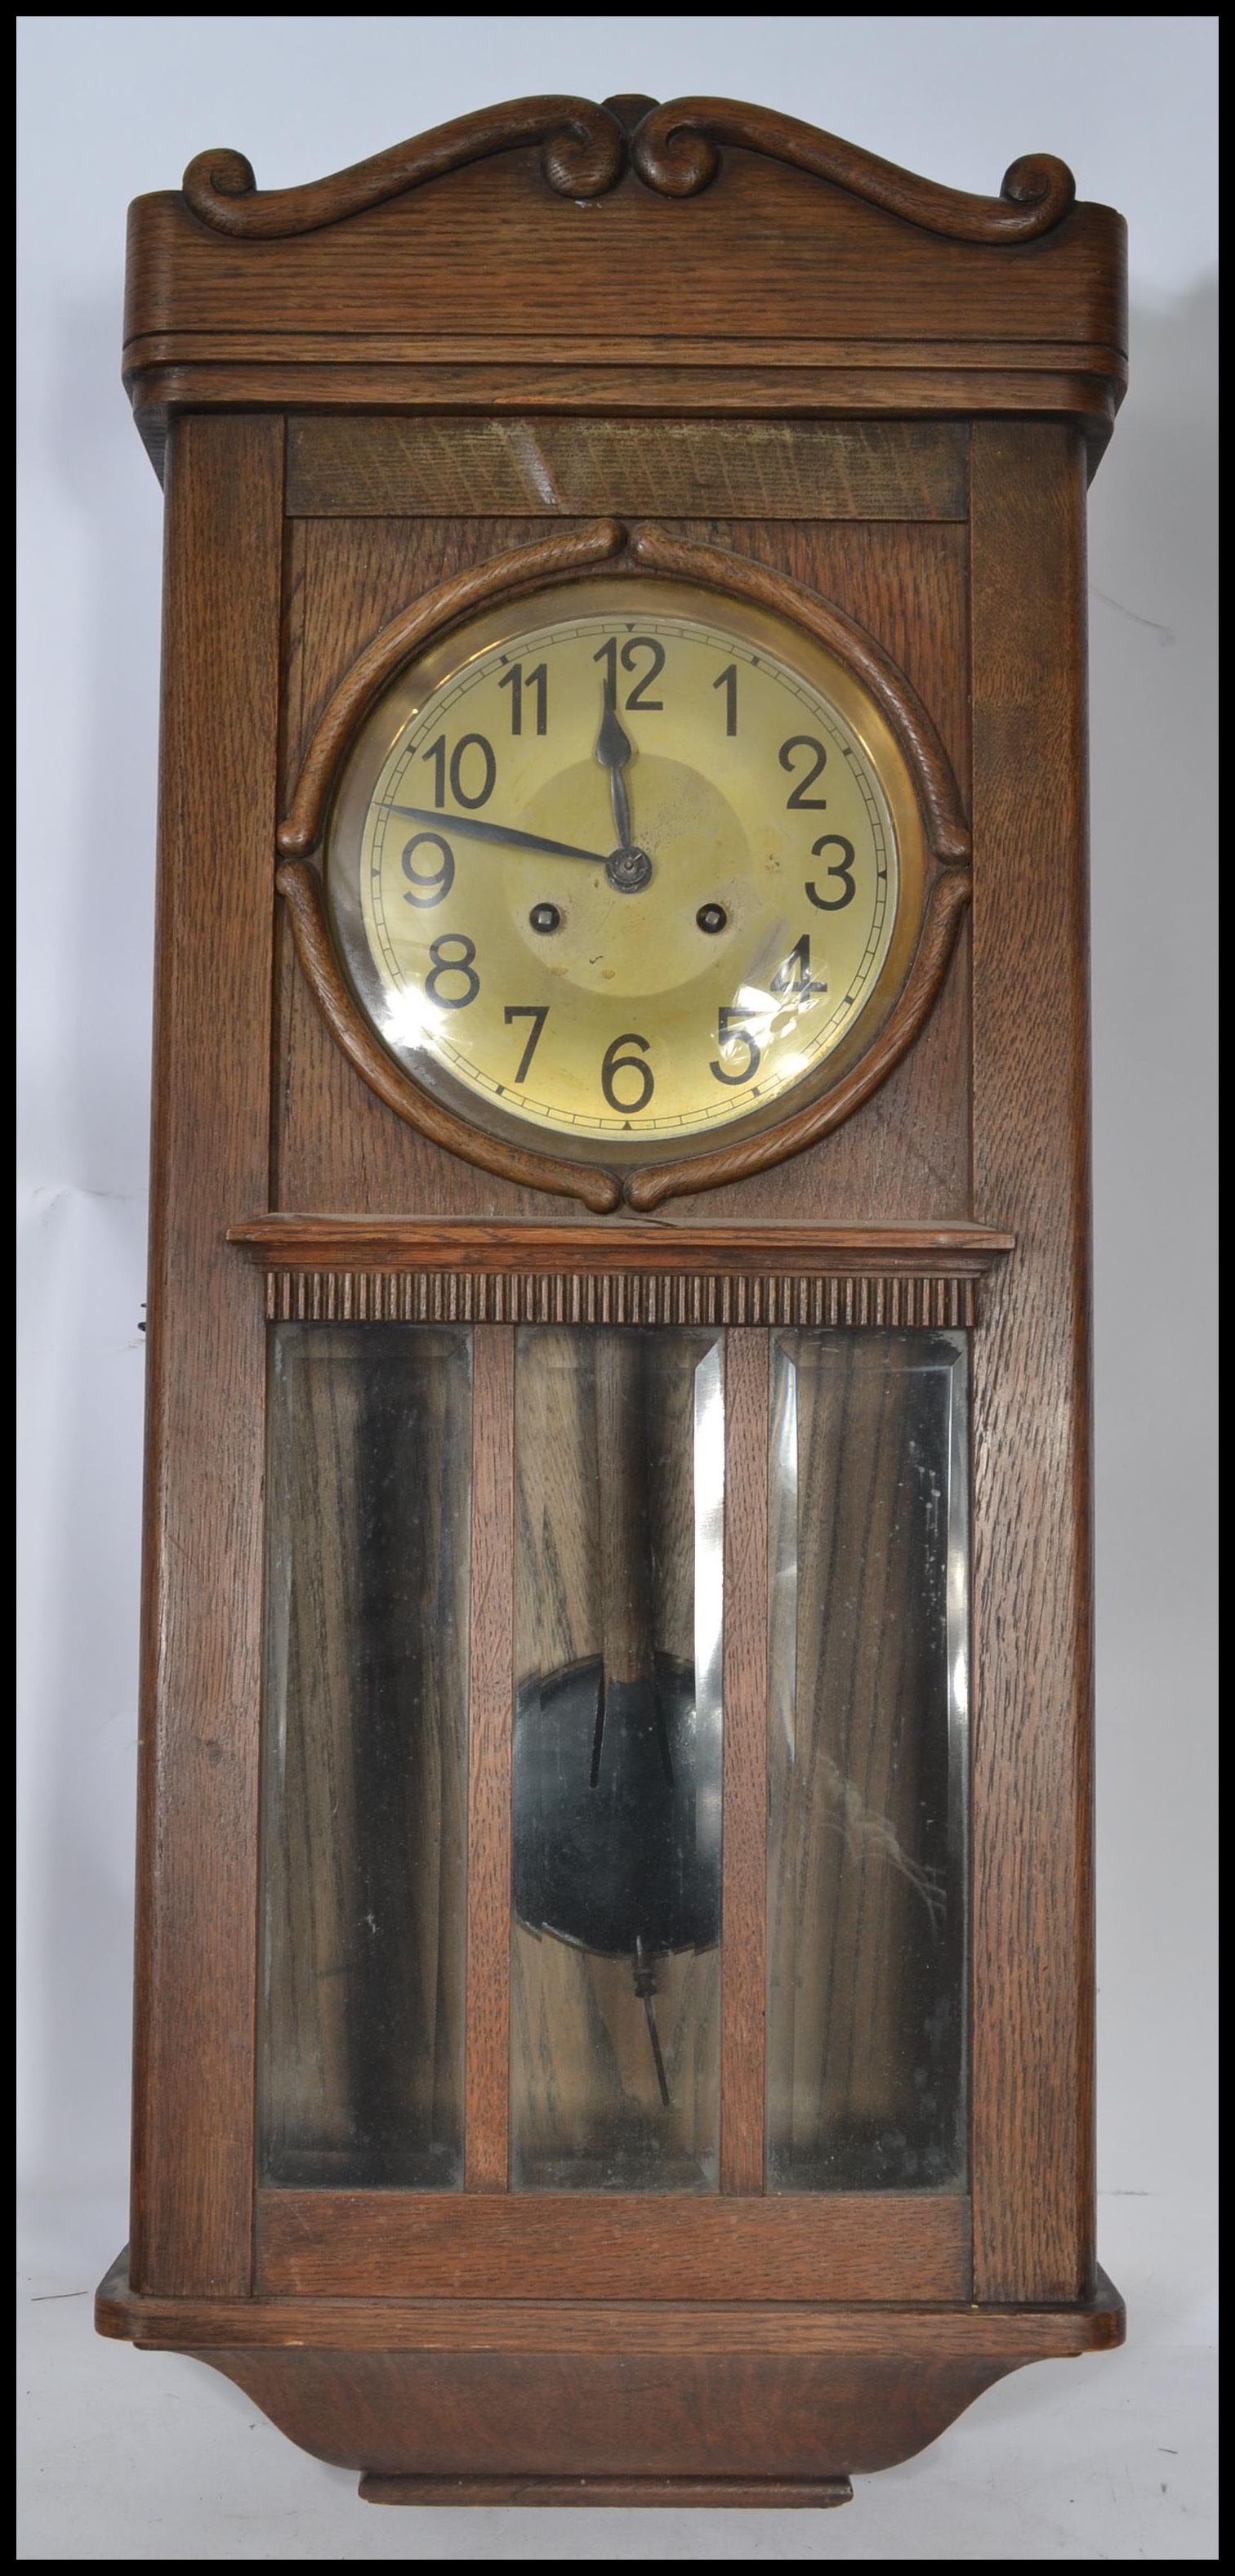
537	1013
614	1063
842	868
631	654
728	681
794	977
537	681
460	964
730	1033
467	743
797	795
428	886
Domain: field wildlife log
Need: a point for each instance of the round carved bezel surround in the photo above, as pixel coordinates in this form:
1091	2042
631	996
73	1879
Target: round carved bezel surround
878	1045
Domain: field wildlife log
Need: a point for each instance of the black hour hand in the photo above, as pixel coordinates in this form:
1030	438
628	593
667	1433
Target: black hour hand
613	752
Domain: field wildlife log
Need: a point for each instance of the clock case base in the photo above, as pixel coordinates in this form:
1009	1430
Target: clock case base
817	2493
455	2402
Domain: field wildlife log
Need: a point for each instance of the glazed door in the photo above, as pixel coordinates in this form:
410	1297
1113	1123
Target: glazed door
614	1810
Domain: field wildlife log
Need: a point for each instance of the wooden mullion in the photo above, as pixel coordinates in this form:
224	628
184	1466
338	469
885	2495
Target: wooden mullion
490	1735
743	1950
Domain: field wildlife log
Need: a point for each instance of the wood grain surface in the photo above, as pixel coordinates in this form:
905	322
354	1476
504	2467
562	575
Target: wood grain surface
1032	1887
905	1155
904	2246
425	467
586	146
608	2415
532	324
565	2325
767	255
205	1358
486	2120
724	268
934	850
810	2494
475	2389
674	148
632	378
485	1248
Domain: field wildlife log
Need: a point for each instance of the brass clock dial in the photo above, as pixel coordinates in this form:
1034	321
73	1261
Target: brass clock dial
628	863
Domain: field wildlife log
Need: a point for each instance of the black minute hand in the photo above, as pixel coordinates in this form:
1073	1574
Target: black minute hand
471	827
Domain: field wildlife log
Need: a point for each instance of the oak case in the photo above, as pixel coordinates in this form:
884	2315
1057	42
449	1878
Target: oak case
884	399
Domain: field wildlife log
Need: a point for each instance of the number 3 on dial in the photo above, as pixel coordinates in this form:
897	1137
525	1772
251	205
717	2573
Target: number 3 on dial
841	868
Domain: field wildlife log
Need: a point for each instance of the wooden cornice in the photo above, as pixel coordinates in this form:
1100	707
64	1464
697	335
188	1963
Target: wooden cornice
679	258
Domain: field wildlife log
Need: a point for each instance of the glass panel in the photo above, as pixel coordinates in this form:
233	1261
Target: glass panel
364	1802
619	1455
869	1710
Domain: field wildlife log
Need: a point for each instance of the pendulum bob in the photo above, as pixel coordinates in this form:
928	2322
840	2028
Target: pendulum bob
606	1849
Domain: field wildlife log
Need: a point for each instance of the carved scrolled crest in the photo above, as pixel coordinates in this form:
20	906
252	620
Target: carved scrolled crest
675	151
545	273
586	148
583	154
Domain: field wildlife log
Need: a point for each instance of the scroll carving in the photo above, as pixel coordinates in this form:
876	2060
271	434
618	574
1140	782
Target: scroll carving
675	151
583	154
585	150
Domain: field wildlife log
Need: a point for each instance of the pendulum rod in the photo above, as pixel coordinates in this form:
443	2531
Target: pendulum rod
645	1988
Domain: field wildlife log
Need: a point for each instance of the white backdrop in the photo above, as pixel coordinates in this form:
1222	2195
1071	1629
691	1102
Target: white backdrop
1083	2461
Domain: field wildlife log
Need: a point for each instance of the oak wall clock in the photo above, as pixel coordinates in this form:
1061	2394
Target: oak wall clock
614	1979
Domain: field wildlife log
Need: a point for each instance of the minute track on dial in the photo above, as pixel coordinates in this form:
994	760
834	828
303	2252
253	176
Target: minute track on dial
721	986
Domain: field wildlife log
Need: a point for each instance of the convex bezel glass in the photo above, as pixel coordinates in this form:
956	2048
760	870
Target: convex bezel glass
516	631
